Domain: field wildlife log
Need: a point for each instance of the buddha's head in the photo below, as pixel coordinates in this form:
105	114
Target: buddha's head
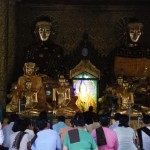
43	28
125	85
29	68
62	80
120	80
135	30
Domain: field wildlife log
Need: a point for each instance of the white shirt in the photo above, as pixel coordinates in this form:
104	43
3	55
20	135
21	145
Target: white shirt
23	143
1	135
7	131
114	125
126	137
146	140
47	140
92	126
30	134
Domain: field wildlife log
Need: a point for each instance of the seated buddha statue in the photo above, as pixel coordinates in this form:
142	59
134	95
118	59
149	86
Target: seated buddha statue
62	98
132	58
47	55
125	97
126	101
30	87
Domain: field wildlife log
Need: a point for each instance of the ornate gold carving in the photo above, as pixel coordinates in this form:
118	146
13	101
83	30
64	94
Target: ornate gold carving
85	66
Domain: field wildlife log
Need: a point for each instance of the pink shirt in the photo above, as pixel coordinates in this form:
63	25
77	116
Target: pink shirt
111	139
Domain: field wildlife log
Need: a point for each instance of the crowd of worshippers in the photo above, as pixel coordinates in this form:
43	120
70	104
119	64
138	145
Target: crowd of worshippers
18	133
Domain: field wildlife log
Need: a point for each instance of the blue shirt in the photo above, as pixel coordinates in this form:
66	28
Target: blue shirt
59	125
48	140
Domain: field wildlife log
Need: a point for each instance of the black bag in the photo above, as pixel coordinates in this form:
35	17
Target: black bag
3	148
74	136
101	139
139	132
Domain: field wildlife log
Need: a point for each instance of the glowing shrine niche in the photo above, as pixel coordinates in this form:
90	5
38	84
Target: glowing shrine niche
85	88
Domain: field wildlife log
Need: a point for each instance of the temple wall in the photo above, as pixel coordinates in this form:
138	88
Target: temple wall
3	50
103	24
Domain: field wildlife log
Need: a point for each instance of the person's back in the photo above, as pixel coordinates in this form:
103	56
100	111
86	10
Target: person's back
7	130
94	125
103	133
125	134
64	131
1	135
18	139
143	139
116	123
88	115
78	138
29	128
86	141
47	139
60	124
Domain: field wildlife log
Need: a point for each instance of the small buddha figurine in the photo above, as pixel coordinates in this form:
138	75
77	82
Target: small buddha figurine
30	95
12	106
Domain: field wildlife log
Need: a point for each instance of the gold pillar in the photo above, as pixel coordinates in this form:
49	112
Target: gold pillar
3	50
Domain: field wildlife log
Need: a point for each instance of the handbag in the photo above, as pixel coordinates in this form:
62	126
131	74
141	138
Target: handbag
29	144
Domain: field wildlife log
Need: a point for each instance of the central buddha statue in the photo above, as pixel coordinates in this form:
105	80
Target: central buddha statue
62	99
29	88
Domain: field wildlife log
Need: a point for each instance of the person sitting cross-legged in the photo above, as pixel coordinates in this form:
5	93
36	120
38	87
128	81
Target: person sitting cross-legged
78	138
125	134
47	139
94	125
143	139
60	124
105	138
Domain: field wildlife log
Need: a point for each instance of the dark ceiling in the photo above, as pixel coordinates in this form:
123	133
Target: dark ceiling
87	2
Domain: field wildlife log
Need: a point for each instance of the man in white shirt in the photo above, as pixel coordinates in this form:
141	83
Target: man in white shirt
116	123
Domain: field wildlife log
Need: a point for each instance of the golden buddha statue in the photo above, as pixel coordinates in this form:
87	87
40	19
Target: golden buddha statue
62	98
30	87
126	101
125	97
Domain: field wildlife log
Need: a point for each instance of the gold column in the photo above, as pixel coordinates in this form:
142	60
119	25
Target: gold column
3	50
